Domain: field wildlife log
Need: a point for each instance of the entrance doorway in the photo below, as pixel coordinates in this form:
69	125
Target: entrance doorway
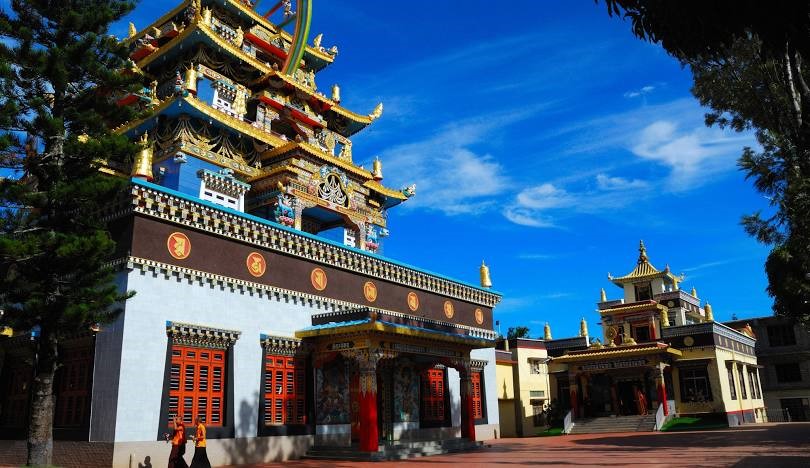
626	396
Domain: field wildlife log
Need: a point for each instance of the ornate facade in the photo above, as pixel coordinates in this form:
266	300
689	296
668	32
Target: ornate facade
283	340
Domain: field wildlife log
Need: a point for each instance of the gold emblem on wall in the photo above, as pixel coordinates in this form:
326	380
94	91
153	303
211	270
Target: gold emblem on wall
179	246
688	341
256	264
413	301
448	309
370	291
318	278
479	316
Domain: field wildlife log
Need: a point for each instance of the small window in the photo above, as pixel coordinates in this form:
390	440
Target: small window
643	291
781	335
695	384
731	386
789	372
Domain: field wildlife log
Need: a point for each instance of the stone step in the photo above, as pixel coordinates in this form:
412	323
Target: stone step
614	424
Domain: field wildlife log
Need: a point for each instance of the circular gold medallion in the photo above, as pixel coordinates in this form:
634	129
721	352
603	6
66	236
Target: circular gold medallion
256	264
479	316
370	291
179	246
688	341
448	309
413	301
318	279
671	304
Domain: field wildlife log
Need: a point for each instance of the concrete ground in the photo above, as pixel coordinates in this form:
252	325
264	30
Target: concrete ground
761	445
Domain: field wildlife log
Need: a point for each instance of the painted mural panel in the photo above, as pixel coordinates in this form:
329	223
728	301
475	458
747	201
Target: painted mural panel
332	393
406	394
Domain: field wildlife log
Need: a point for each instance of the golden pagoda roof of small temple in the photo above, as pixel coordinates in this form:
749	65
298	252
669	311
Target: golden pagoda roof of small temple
644	270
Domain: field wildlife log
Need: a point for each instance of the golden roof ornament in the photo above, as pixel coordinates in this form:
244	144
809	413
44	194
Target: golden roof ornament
377	112
709	312
486	281
664	318
142	168
583	327
694	292
547	332
316	42
642	253
603	296
191	79
336	93
377	169
132	31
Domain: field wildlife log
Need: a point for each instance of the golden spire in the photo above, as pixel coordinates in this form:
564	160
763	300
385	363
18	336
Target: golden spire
709	313
377	112
205	17
603	296
694	292
336	93
377	169
132	30
583	327
316	43
642	253
239	37
547	332
486	281
142	168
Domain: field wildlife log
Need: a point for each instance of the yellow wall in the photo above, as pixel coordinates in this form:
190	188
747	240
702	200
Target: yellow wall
504	383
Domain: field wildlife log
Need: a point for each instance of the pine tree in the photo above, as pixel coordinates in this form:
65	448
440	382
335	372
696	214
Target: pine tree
58	70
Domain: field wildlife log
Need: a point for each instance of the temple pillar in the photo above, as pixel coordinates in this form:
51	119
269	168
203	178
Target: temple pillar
467	413
367	401
662	389
573	378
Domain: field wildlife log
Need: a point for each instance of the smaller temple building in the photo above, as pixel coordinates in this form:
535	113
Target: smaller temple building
660	353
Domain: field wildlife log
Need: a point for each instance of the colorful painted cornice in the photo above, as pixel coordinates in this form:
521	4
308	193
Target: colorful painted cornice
158	202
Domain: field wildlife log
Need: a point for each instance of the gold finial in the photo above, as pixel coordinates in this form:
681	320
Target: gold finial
336	93
377	169
709	312
132	31
694	292
142	168
316	43
603	296
205	17
240	37
642	253
583	327
377	112
153	95
547	332
664	318
486	281
191	79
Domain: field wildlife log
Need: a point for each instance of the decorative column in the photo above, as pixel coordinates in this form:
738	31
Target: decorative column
573	378
467	413
367	368
662	388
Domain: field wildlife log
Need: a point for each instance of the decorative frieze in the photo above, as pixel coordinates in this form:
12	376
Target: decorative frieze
202	336
281	345
182	210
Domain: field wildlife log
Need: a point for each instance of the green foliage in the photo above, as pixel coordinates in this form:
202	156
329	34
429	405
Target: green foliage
58	70
517	332
747	61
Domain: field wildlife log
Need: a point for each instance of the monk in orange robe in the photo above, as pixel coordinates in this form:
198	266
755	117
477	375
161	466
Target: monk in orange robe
200	459
641	402
178	440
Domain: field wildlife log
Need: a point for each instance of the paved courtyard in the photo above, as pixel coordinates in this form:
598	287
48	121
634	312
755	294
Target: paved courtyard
763	445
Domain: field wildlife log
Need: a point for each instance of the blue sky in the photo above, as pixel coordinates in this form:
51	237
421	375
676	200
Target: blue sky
547	140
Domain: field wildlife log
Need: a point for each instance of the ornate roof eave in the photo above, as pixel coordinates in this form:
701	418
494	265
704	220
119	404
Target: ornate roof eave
623	351
635	307
383	190
252	14
632	278
369	326
175	11
261	67
314	151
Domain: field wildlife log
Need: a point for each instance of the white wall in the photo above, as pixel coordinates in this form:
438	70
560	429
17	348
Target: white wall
143	359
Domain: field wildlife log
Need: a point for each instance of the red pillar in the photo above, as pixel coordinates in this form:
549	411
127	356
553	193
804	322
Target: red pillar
662	392
369	433
467	414
574	403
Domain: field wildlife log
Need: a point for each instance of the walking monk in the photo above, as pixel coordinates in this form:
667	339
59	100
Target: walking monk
200	459
178	440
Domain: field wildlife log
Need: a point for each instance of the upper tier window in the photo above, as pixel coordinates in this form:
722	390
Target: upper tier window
643	291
